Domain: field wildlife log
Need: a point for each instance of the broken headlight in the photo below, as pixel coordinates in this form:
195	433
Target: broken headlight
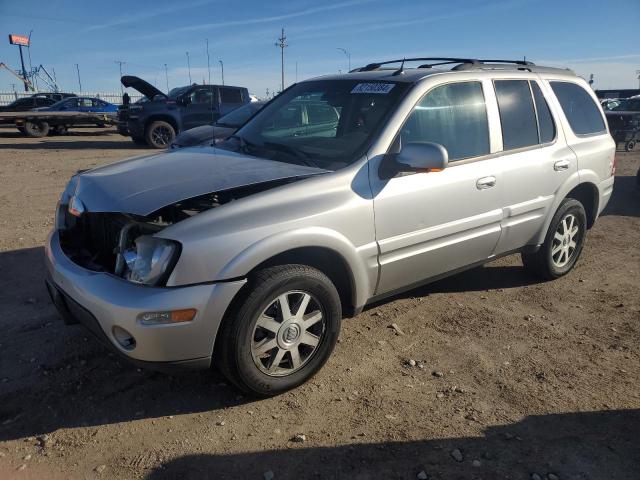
151	260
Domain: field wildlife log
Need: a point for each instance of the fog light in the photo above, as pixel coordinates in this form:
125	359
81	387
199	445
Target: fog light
172	316
124	338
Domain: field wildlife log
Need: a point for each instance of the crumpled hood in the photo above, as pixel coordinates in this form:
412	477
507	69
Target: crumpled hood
143	185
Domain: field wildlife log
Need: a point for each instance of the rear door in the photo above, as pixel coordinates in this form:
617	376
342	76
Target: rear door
431	223
536	161
230	99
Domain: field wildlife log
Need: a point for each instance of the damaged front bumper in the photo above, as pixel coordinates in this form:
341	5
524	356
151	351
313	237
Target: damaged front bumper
109	305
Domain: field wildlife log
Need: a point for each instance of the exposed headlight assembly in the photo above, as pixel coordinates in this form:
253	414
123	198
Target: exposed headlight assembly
151	260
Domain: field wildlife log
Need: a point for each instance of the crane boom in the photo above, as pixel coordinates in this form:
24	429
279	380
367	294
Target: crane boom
18	76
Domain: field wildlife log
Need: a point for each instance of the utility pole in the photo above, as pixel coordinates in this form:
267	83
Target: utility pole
348	54
638	72
120	63
35	77
296	72
222	67
189	67
282	43
24	71
79	82
208	64
591	81
166	76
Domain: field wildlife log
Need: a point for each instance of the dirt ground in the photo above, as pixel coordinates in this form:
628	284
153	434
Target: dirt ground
513	378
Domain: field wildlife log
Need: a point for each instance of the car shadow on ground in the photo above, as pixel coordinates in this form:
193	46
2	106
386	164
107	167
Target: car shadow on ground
72	140
625	199
571	446
54	376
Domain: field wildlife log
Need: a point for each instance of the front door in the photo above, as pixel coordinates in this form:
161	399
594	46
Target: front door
431	223
201	107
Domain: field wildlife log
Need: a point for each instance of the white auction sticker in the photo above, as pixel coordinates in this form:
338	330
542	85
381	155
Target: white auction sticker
382	88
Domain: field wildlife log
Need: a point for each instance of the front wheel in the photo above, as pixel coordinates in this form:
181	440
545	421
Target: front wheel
563	242
160	134
282	330
36	129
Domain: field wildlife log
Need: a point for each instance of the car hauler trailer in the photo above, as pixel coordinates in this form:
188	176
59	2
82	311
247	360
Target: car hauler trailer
39	124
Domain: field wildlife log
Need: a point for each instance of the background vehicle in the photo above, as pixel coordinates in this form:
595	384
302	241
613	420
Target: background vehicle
307	214
157	122
222	129
624	122
81	104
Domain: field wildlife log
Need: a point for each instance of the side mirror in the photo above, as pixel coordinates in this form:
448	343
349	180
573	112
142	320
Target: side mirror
422	157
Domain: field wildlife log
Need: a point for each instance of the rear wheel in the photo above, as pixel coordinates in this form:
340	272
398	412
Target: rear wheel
160	134
281	332
36	129
630	145
563	242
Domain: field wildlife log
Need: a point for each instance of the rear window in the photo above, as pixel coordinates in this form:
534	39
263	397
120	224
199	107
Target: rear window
581	111
230	95
517	114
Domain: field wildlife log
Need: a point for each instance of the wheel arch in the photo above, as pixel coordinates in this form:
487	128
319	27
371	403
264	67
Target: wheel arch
587	194
321	248
164	118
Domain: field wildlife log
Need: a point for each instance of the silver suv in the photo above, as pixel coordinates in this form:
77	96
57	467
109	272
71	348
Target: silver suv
341	191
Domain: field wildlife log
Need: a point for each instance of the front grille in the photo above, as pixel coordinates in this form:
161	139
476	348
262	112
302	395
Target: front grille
91	241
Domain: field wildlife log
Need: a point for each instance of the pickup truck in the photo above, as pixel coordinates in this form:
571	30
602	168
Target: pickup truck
160	117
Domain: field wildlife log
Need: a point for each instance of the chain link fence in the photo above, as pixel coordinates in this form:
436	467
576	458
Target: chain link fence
112	97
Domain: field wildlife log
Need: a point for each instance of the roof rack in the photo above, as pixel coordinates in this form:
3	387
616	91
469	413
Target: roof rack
463	64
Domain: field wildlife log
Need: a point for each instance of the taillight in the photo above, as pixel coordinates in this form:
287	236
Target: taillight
613	165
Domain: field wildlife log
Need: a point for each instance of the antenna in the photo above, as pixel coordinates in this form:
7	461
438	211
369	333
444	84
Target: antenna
208	64
282	43
400	71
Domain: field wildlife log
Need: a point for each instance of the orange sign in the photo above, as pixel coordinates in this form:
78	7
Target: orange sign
18	40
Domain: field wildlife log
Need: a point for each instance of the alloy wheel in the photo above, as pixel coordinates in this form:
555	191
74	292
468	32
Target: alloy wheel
287	333
565	240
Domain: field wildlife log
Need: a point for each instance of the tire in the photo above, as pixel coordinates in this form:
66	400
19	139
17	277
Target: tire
629	146
556	257
36	129
22	130
160	134
59	130
100	125
238	354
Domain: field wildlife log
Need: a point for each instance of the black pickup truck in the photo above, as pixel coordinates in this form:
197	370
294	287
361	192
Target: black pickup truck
624	122
158	117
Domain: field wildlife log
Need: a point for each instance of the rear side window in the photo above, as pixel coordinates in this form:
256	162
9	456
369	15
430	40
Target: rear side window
517	114
581	111
453	115
230	95
546	125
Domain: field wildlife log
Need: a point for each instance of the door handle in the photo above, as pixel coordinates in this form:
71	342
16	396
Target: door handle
561	165
485	182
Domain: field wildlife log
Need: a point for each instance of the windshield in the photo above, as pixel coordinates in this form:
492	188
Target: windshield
324	123
176	92
240	115
626	105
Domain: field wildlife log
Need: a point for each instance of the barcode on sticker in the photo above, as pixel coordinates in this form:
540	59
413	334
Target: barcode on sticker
382	88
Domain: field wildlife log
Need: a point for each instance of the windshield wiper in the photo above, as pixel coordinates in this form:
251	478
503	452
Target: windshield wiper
299	154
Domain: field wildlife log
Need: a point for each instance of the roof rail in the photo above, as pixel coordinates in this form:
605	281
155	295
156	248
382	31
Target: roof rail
442	61
466	62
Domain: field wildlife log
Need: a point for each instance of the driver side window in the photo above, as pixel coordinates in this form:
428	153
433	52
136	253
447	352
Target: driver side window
453	115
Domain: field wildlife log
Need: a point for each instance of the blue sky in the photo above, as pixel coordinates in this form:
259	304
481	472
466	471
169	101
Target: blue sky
588	36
